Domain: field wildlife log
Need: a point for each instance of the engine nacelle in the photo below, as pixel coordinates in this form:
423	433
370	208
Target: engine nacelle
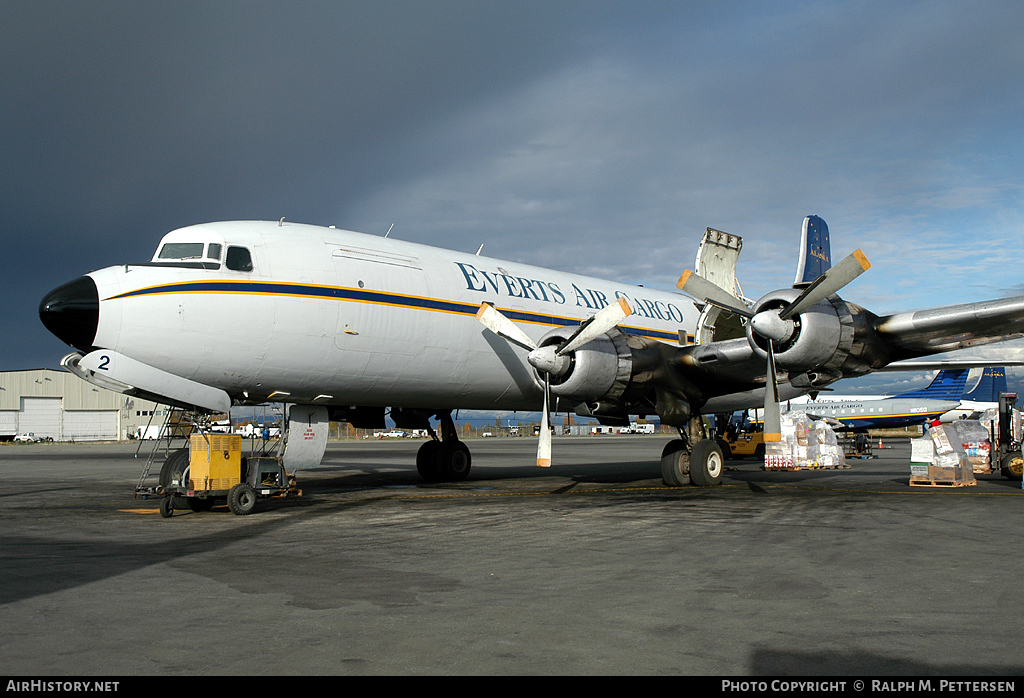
816	337
599	370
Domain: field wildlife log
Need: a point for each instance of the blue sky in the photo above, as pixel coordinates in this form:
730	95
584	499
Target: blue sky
595	137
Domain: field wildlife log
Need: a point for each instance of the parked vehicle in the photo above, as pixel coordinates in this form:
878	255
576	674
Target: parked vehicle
31	438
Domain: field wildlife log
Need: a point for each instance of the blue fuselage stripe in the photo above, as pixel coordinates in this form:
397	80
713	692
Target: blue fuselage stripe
364	296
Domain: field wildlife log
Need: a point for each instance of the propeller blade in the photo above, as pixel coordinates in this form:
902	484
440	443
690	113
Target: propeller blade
544	444
491	318
592	328
772	416
852	266
700	288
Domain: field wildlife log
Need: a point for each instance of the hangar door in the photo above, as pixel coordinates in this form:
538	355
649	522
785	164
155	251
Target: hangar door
41	416
8	423
90	425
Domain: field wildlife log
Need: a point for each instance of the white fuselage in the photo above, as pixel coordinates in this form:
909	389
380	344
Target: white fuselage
346	318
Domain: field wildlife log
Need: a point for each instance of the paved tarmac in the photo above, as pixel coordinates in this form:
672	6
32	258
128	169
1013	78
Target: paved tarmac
591	568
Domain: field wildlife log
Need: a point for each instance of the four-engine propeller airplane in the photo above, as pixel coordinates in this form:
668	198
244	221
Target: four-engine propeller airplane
344	325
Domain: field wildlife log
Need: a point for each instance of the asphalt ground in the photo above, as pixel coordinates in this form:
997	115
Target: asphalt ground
590	568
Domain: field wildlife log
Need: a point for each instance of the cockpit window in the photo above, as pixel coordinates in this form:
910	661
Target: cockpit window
181	250
213	251
238	259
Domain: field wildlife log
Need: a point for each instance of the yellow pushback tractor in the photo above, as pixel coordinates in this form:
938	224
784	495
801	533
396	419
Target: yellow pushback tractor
217	471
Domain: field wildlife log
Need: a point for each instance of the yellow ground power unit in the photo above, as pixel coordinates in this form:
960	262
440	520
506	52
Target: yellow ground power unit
215	461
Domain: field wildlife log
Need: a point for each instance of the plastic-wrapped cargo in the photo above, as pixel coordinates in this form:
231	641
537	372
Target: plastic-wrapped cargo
922	450
949	465
805	443
976	441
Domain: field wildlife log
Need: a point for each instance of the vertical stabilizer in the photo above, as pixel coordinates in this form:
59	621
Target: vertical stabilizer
949	384
815	251
993	382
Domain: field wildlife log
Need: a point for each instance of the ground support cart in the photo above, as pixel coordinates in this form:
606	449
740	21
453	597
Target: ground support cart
217	473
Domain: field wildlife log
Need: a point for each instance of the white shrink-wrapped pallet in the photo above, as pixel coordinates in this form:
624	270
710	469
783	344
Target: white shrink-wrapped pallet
976	441
949	465
804	444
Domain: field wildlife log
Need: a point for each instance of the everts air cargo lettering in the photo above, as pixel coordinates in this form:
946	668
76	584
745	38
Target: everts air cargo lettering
504	284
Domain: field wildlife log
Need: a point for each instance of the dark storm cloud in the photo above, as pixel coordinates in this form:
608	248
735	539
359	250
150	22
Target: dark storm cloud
598	137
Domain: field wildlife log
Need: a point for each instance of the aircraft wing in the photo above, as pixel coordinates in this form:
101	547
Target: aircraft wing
939	364
923	332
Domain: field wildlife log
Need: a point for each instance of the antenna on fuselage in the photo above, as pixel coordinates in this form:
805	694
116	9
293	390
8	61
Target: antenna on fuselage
480	250
389	230
280	223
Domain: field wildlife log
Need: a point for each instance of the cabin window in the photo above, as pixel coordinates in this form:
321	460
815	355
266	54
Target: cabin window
238	259
213	251
181	250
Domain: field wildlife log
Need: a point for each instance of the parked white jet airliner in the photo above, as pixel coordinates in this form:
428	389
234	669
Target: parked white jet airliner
345	325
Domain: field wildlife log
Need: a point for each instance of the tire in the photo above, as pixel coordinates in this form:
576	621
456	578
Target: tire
675	464
242	499
167	507
706	464
726	450
1012	466
455	461
428	461
174	468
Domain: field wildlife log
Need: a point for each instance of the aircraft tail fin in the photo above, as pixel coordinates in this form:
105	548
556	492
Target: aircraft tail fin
993	382
948	384
815	251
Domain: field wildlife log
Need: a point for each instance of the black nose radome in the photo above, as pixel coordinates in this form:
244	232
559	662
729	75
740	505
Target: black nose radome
72	312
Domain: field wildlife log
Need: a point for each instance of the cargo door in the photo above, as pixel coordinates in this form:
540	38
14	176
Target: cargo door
716	262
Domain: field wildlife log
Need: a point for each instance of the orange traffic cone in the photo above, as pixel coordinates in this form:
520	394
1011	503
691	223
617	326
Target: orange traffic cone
880	442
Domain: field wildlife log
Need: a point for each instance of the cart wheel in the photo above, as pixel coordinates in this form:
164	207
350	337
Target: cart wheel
167	507
242	499
1012	466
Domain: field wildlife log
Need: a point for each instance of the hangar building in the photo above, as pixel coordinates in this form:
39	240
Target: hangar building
59	405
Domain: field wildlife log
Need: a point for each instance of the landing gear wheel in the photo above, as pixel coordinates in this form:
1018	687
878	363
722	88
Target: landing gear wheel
242	499
706	464
455	461
1012	466
726	449
167	507
428	461
675	464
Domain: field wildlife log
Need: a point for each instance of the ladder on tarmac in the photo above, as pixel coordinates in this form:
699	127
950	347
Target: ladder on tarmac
179	424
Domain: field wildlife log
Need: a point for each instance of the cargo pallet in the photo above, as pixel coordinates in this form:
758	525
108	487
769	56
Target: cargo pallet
941	483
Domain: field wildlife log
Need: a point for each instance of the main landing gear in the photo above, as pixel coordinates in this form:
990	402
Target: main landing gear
446	459
692	459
